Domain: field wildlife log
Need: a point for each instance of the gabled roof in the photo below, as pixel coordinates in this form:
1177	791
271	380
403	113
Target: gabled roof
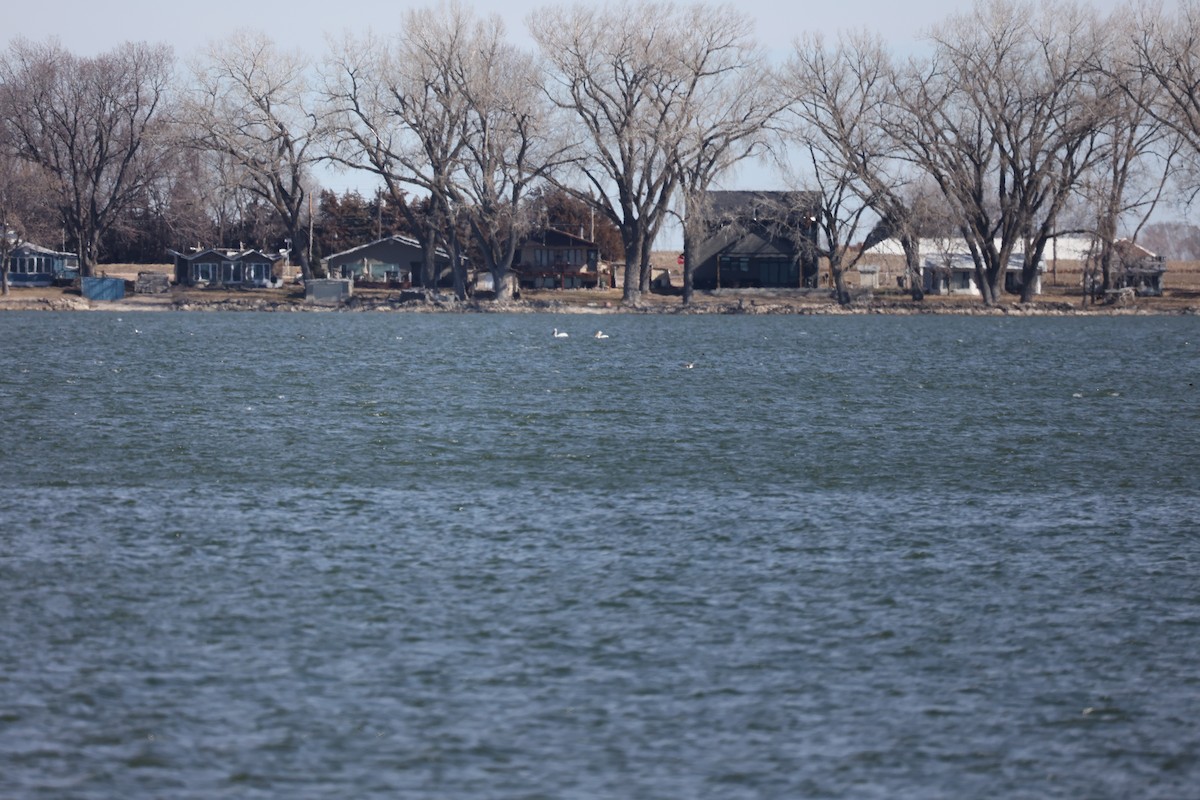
1129	250
397	238
1064	248
755	223
759	203
555	237
30	247
225	254
963	262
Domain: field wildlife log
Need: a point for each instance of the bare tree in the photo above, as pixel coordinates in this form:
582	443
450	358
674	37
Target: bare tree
1139	149
25	209
1005	119
92	125
253	105
629	75
191	198
396	113
510	141
844	101
841	97
726	121
1166	51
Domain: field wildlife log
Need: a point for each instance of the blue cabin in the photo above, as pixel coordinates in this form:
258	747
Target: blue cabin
33	265
393	258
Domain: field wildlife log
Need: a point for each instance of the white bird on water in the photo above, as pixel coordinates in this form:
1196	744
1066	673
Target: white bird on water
560	334
600	335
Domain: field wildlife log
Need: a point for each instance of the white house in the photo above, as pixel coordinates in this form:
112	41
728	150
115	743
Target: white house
954	273
947	266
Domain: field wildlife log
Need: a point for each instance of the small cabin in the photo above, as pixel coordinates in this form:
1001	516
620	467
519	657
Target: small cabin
398	260
32	265
556	259
954	273
1140	269
218	267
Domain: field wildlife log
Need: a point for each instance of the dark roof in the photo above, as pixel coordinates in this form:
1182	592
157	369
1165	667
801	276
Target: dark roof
760	203
225	254
397	238
555	237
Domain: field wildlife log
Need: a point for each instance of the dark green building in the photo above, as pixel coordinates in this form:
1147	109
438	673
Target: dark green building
757	239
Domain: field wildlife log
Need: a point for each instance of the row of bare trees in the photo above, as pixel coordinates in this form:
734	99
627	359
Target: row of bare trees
1017	124
1021	123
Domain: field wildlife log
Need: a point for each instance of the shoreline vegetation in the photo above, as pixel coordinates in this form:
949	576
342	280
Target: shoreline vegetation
1058	301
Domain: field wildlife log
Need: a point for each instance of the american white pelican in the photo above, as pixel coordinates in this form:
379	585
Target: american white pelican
560	334
600	335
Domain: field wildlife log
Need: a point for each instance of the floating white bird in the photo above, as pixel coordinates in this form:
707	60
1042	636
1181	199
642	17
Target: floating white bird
560	334
600	335
689	365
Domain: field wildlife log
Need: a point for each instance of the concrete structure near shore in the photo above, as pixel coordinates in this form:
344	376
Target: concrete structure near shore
327	291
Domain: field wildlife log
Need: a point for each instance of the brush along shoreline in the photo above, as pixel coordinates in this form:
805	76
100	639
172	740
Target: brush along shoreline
585	301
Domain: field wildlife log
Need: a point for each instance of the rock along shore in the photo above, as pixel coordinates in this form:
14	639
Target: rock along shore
756	302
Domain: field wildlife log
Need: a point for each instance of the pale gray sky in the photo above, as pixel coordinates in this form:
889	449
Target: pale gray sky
88	26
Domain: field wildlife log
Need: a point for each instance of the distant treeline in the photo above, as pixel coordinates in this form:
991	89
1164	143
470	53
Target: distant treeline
1018	122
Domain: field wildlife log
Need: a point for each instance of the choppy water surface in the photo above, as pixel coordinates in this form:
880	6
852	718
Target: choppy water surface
327	555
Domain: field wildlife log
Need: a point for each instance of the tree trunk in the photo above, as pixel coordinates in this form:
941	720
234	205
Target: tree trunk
1029	278
1106	255
429	262
1107	234
689	265
1034	253
88	247
995	284
912	267
839	283
300	247
688	279
502	283
984	281
632	292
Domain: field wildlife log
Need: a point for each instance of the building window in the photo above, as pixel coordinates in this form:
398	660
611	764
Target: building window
231	272
258	271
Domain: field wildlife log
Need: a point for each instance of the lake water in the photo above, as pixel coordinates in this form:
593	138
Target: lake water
448	556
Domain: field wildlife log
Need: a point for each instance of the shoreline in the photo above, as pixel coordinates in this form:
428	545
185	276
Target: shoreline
591	301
